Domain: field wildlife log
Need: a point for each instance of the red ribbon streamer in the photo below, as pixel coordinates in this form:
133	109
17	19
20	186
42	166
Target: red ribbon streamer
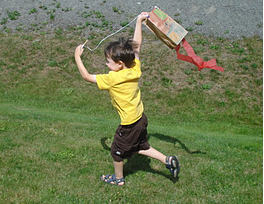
194	59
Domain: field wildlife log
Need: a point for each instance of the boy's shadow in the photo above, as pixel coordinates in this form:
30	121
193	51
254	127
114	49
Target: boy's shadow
174	140
142	163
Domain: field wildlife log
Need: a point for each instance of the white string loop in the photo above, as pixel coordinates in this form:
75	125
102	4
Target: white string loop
83	46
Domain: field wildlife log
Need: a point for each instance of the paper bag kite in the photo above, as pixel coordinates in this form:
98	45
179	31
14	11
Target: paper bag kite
172	34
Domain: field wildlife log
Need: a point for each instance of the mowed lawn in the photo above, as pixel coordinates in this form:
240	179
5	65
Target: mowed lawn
56	130
49	156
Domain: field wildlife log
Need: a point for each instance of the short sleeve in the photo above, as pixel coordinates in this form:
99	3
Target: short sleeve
103	81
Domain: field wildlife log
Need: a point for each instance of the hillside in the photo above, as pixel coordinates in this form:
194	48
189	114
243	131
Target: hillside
56	129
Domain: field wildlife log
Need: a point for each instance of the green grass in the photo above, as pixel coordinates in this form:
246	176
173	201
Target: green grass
55	129
13	15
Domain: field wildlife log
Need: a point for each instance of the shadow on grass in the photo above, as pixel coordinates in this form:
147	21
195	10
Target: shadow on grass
142	163
103	142
174	140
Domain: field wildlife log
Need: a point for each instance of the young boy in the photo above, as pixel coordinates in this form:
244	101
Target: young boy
122	83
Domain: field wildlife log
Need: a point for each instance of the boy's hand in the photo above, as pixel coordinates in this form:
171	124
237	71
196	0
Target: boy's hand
79	50
143	16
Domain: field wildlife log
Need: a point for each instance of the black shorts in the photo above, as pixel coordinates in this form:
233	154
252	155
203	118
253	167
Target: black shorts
129	139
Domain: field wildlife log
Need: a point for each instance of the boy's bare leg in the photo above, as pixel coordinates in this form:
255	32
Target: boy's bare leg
153	153
119	169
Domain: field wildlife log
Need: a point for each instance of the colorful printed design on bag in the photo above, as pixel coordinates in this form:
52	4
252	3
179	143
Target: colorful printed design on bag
168	30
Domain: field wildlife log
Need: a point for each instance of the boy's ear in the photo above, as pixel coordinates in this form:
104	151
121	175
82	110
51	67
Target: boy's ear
121	63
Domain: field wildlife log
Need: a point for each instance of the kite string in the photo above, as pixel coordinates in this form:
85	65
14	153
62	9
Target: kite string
83	46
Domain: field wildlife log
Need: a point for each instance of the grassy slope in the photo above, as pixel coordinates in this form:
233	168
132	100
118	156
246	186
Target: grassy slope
55	128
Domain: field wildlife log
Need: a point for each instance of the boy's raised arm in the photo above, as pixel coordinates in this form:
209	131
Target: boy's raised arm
138	32
83	71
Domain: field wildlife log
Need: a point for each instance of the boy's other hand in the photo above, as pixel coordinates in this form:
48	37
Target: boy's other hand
143	16
79	50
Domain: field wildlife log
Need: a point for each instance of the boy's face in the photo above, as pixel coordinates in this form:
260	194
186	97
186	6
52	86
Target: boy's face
112	65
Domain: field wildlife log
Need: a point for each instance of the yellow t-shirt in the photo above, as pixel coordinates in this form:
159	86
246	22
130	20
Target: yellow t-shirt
124	92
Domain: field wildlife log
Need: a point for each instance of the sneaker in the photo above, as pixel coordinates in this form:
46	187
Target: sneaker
172	163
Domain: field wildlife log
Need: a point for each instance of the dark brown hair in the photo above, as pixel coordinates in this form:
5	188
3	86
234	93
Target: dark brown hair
121	50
